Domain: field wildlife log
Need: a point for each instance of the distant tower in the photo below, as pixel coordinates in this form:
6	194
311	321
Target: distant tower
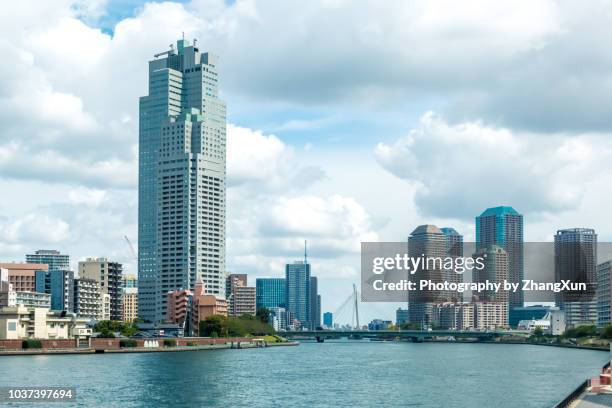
503	226
576	260
426	241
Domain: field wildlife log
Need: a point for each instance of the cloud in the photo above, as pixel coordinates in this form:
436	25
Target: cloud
36	228
259	160
461	169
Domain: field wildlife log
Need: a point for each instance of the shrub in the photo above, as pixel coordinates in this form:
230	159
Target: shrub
127	343
169	343
191	343
31	344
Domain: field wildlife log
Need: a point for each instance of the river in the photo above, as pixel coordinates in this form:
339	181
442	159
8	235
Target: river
338	374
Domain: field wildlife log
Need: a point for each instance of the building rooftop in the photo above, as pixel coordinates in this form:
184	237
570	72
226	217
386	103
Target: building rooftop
501	210
426	229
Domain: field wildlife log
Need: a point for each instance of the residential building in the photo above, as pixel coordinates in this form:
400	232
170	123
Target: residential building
328	320
20	322
401	316
87	298
7	294
53	258
178	306
182	145
109	275
204	305
32	300
106	313
129	304
503	226
278	318
490	315
241	298
59	284
22	275
552	323
604	278
378	324
454	248
496	268
429	242
576	261
270	292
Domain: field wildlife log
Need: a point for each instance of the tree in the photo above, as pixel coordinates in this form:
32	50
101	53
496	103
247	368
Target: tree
212	324
606	332
263	313
538	332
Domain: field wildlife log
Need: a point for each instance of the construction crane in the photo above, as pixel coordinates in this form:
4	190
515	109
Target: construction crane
131	248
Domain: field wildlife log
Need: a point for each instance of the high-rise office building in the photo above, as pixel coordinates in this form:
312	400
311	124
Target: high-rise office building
503	226
576	261
297	289
270	292
110	277
429	242
54	259
181	215
59	284
315	303
604	288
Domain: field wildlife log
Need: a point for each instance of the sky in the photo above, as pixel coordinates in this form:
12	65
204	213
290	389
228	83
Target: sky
347	122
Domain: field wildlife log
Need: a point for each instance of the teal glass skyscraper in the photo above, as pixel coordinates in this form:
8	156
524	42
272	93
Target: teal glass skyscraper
503	226
181	182
270	292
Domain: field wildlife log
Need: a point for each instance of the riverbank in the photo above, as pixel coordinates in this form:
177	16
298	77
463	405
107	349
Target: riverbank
111	346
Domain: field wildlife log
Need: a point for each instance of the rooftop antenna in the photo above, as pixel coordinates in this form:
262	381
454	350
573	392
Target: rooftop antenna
183	36
305	252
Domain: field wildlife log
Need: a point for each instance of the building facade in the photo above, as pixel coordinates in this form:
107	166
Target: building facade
87	298
328	320
270	292
401	316
110	277
129	304
241	298
23	275
576	260
297	289
603	293
181	188
454	248
426	241
204	305
503	226
60	285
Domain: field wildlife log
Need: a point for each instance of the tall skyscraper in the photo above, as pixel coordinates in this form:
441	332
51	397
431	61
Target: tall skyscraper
495	269
576	261
503	226
297	289
454	248
429	242
51	257
270	292
181	215
604	288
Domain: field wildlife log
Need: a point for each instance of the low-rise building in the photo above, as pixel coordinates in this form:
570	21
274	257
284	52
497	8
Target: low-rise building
130	304
33	299
379	324
204	305
178	305
20	322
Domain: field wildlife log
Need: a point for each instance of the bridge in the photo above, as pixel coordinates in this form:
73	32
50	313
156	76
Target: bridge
414	335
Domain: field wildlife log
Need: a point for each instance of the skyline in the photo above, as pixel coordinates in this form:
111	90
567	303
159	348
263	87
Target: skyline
72	163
